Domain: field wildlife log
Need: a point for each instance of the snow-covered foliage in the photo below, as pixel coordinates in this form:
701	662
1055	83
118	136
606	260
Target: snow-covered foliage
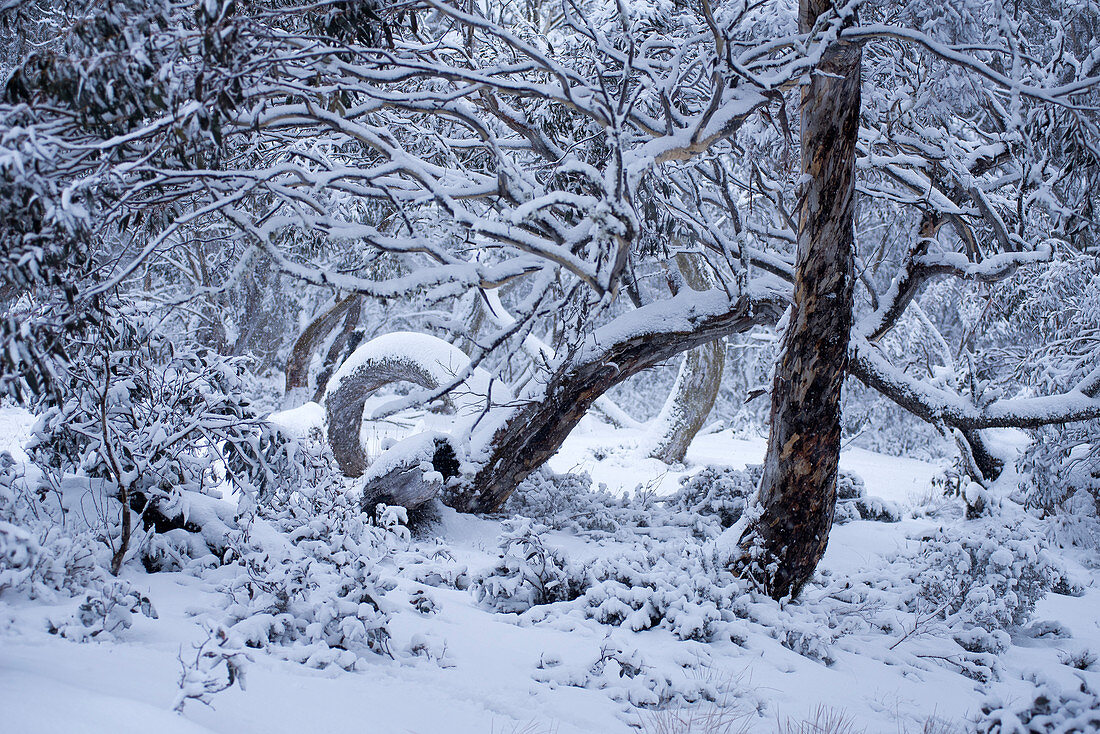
1061	477
984	579
709	500
568	502
311	586
215	666
529	574
621	600
107	611
1048	708
40	553
502	190
719	493
670	574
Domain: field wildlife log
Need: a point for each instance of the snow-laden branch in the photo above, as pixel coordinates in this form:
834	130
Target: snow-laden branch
943	408
1062	94
920	267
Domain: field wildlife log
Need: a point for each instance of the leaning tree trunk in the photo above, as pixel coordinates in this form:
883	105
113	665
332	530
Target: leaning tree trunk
311	338
783	545
696	387
535	430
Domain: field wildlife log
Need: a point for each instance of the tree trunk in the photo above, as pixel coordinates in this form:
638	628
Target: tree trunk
783	545
345	341
696	387
297	365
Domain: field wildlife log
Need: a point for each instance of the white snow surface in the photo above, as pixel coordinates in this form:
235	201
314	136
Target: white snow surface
495	672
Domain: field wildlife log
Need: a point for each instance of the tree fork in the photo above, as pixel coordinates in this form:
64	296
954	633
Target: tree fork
297	367
781	548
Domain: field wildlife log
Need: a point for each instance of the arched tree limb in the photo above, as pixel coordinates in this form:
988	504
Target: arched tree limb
421	359
508	439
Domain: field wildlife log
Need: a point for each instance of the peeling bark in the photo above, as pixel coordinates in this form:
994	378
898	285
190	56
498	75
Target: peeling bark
781	548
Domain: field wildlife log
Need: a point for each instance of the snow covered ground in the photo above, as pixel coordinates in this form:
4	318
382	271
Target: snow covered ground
840	652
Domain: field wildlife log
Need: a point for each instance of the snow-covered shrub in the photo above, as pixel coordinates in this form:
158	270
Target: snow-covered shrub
216	666
1060	477
434	567
1083	659
564	502
528	573
312	585
423	602
984	578
107	610
717	492
18	553
623	673
1048	709
432	648
66	561
807	641
149	425
39	553
853	502
675	585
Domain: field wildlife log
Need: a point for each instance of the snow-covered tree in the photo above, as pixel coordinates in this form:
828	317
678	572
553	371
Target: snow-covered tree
537	160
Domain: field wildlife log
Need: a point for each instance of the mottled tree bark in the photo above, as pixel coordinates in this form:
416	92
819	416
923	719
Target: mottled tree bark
697	382
783	545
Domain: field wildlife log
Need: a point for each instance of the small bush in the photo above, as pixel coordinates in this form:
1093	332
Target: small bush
716	492
565	502
1048	709
1081	659
986	576
528	573
105	612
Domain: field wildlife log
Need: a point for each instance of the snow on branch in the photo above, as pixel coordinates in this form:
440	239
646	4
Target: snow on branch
920	267
940	407
421	359
1061	94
